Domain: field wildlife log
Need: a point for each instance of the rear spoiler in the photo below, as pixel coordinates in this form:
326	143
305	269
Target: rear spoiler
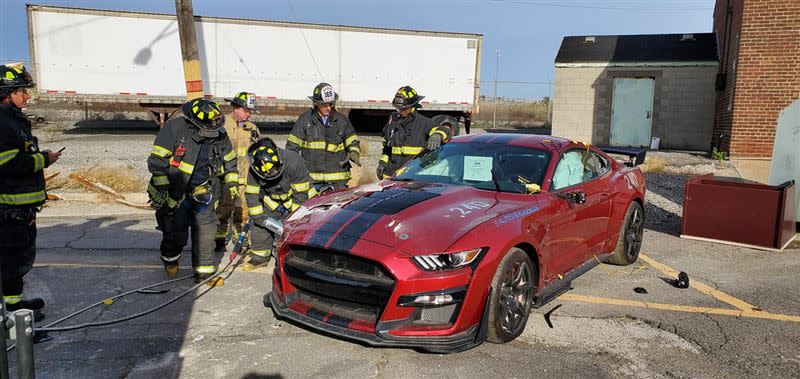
636	155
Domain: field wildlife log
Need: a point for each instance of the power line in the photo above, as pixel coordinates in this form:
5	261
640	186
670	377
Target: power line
310	52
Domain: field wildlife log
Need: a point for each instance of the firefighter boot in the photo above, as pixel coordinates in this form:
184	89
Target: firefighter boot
36	304
32	304
256	261
171	269
216	282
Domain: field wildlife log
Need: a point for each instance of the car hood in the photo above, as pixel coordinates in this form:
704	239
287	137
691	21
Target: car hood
412	217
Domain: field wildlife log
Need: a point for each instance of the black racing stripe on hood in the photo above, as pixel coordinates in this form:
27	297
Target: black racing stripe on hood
390	201
323	234
347	238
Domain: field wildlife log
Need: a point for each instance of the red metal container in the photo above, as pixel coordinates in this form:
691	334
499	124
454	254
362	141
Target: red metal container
748	214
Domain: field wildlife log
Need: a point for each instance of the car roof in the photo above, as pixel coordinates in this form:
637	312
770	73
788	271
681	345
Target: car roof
535	141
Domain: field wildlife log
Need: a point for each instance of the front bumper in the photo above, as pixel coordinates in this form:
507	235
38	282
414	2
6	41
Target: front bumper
465	340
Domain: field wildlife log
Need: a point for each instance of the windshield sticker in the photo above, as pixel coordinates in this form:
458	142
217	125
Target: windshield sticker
478	168
514	215
466	208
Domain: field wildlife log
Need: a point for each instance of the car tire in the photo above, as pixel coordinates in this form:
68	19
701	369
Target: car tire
40	120
449	122
630	236
513	287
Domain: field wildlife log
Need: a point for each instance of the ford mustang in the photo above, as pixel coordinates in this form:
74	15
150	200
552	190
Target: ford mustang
460	244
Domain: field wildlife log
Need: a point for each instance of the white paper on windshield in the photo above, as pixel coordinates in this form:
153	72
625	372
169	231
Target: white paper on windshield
478	168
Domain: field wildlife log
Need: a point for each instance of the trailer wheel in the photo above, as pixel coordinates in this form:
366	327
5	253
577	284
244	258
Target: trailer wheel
40	120
449	122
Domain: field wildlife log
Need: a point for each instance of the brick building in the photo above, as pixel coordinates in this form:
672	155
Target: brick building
759	72
625	90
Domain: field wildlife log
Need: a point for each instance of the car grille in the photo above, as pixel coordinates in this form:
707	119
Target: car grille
338	276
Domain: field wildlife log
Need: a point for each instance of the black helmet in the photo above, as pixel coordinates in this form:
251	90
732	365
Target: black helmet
204	113
266	160
12	78
324	94
244	100
406	97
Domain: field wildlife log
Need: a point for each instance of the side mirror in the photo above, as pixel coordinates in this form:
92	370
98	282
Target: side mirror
579	197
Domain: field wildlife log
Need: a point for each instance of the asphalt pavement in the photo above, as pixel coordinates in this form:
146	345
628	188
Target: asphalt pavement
740	317
602	329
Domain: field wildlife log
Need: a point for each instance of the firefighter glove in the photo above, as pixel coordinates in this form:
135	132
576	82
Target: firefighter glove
234	192
158	198
379	172
355	157
434	141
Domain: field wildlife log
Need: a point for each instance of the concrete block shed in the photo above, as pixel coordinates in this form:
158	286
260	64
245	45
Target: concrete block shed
625	90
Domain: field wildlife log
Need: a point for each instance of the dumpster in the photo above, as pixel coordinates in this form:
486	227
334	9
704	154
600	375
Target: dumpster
730	211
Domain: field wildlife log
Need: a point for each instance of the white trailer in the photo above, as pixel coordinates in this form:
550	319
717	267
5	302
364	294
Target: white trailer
103	56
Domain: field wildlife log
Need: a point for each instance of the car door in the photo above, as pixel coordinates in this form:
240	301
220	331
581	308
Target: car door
576	232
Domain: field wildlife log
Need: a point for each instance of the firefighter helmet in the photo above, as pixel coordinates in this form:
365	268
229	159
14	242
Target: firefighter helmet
266	161
406	97
245	100
324	94
12	77
203	113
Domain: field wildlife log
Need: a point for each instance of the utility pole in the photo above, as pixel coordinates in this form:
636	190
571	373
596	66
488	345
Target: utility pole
494	111
189	51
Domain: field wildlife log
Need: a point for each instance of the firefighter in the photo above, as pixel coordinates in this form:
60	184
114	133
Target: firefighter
22	191
326	140
277	183
192	163
407	134
242	134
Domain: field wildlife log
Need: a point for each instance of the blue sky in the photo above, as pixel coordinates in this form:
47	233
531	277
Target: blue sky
526	32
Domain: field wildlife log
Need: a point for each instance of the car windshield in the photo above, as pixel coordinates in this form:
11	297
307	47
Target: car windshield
471	164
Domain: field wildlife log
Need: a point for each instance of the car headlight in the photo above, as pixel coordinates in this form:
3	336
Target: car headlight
447	261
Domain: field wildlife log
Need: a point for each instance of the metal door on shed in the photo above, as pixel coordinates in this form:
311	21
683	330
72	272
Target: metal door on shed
632	111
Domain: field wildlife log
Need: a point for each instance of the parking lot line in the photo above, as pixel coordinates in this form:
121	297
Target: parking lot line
700	286
744	309
680	308
142	267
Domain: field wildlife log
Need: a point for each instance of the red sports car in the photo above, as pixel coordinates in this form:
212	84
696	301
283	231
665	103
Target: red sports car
459	245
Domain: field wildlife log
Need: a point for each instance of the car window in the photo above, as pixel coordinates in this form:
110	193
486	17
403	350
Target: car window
578	166
595	165
569	171
479	165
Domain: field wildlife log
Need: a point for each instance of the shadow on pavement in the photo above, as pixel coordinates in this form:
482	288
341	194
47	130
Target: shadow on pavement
79	264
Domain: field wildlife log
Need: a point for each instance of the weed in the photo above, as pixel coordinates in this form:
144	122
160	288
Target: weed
122	179
718	154
654	164
520	111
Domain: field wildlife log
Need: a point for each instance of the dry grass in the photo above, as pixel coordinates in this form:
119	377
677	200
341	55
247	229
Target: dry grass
122	179
514	111
653	164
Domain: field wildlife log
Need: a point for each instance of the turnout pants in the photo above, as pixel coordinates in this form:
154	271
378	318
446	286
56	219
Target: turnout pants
197	218
17	249
230	212
262	239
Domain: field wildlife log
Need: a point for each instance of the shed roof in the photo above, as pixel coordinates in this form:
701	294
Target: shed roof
697	47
